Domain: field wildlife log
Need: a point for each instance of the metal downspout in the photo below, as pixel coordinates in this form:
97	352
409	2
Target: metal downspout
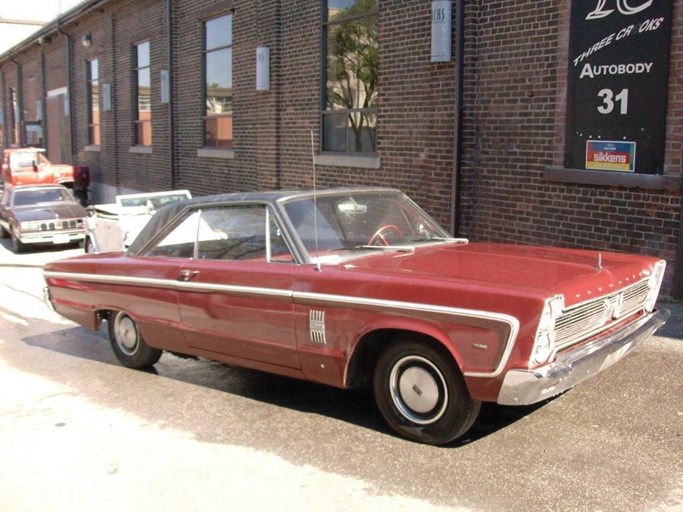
69	79
171	124
43	98
3	111
677	291
20	102
275	79
113	91
457	129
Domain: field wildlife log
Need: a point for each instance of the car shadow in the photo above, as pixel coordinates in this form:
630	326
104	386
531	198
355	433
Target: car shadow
352	406
673	328
6	243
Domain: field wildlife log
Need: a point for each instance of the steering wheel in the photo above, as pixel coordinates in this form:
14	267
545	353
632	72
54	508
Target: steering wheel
379	238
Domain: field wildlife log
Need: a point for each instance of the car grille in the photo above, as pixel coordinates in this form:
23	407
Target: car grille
585	319
58	225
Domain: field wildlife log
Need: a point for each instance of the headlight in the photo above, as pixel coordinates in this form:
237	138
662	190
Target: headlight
654	283
29	226
544	343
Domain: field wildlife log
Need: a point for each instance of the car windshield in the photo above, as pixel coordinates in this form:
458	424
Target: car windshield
40	196
149	202
351	223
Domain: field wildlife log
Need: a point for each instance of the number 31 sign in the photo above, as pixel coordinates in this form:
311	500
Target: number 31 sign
618	66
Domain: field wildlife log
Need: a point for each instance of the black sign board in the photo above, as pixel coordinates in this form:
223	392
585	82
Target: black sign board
617	84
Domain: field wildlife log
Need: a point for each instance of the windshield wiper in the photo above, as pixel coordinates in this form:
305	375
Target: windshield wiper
399	248
442	240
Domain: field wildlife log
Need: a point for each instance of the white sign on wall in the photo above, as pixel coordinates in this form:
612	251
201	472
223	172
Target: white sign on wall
165	86
442	13
262	68
106	97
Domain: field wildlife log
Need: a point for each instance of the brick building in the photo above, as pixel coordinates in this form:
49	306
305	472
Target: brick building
161	94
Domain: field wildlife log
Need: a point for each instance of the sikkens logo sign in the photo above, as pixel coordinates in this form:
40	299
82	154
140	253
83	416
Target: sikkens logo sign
617	84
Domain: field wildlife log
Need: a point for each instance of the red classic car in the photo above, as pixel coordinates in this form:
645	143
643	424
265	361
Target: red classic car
359	287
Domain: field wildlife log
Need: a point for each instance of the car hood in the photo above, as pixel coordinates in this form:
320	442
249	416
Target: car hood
47	212
542	271
63	169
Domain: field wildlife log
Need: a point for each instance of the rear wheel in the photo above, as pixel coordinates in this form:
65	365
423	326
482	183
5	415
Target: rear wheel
126	341
421	393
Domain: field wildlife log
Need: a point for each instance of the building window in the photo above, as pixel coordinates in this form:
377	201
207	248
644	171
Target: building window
92	72
218	82
33	114
142	91
351	64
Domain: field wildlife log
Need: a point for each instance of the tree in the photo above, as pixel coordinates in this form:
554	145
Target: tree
353	65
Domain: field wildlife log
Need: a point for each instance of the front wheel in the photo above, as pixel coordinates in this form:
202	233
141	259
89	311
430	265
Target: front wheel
17	245
421	393
126	341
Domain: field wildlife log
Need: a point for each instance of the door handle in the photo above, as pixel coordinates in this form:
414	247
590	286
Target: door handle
187	275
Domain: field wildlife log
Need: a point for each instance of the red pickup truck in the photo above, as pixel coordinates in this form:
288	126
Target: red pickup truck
30	166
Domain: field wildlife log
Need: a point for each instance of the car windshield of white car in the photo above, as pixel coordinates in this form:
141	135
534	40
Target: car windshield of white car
360	221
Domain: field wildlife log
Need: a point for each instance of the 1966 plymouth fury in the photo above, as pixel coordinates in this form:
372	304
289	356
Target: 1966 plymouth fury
359	287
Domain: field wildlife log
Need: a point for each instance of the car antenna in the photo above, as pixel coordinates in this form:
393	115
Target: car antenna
315	208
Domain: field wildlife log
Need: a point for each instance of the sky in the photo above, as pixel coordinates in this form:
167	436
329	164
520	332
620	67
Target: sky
31	10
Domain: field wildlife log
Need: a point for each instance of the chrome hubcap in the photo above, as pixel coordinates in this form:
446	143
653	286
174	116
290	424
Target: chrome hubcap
418	390
126	334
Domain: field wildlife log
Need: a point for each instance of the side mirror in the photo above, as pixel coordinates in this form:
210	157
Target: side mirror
35	166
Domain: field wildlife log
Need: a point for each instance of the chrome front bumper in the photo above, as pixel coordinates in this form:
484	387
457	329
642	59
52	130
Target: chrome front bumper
52	237
523	387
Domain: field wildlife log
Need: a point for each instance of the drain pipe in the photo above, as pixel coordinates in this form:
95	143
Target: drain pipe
69	77
171	103
20	103
457	129
43	86
3	111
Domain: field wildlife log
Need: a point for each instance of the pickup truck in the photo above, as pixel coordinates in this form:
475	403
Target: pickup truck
30	166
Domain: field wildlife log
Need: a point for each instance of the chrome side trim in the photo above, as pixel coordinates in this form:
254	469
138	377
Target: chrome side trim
239	290
96	278
319	298
169	283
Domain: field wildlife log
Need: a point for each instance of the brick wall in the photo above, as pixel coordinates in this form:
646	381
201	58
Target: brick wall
516	59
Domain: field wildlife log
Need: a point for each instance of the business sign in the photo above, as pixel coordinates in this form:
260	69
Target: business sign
442	14
263	68
611	155
617	84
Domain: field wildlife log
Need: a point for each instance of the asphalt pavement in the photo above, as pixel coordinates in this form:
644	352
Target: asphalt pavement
78	432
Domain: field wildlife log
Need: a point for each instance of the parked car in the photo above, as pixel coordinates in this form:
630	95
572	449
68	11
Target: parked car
359	287
40	215
113	226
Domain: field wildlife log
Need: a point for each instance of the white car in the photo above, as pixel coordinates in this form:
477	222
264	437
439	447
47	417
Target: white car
114	226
